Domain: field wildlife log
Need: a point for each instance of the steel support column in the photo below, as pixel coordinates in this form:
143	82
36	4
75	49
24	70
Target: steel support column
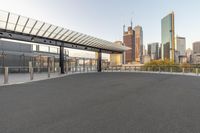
84	65
76	64
62	59
99	60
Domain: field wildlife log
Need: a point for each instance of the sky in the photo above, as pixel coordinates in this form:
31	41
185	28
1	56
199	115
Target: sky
105	18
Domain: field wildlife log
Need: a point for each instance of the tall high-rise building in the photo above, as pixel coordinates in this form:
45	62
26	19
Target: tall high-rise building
189	52
196	47
138	43
168	37
160	52
196	53
129	41
153	51
181	45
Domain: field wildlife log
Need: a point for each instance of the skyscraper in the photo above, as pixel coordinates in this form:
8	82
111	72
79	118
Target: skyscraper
196	47
181	45
138	43
153	51
196	53
168	39
189	52
129	41
160	51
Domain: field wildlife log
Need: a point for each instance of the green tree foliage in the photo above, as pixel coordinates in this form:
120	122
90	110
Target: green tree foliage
162	65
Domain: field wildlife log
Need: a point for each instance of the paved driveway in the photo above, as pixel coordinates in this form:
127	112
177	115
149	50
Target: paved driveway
103	103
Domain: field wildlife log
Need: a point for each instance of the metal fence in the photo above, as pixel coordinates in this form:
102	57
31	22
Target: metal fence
157	69
13	74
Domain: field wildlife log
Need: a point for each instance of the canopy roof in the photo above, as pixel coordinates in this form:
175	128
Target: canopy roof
20	24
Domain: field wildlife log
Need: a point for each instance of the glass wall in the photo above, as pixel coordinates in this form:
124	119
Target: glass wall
168	44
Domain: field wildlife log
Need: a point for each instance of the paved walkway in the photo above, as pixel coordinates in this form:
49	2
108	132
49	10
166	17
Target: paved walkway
19	78
103	103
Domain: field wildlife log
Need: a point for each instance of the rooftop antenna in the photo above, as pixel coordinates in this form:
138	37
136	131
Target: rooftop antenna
131	22
124	28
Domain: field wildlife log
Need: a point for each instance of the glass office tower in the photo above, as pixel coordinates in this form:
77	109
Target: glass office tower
168	39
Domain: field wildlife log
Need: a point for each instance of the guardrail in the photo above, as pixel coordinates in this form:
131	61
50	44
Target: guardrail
48	71
157	69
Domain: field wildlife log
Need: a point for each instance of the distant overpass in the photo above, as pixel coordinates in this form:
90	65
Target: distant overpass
16	27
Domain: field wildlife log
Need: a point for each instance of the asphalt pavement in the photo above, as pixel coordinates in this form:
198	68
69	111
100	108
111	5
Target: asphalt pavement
103	103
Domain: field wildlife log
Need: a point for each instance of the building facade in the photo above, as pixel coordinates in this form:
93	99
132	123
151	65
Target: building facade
167	37
138	43
21	55
189	53
196	58
196	47
129	41
153	51
196	53
181	45
117	59
146	59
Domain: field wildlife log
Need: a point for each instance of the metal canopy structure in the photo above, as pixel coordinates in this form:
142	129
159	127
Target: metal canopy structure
16	27
13	26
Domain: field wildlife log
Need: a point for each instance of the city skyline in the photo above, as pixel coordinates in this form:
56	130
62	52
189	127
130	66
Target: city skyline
89	17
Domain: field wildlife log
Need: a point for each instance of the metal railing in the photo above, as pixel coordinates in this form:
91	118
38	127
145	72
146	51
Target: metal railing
194	70
29	73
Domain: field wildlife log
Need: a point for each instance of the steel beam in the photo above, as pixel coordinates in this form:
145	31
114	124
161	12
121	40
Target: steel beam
62	59
25	25
7	21
99	61
17	23
42	40
33	27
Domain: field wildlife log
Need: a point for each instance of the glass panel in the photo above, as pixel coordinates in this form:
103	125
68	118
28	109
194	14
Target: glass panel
21	23
81	39
34	47
63	37
91	42
44	48
69	32
53	49
12	21
3	19
70	36
74	37
50	30
38	25
2	25
56	32
34	31
60	34
85	40
3	16
44	28
10	26
36	28
78	38
29	25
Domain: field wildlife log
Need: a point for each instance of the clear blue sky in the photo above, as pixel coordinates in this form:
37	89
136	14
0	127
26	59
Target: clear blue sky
105	18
